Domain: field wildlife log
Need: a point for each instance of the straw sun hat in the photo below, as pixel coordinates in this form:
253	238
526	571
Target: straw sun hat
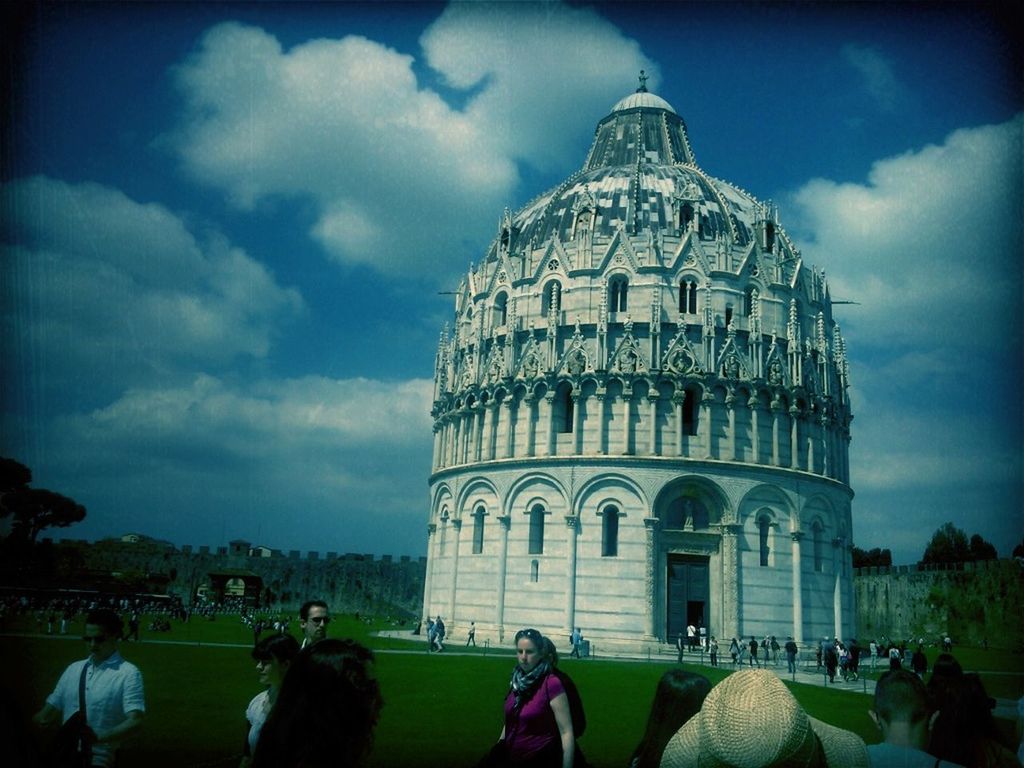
751	720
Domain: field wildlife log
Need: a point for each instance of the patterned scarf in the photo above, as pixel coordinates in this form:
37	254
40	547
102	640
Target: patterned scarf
523	683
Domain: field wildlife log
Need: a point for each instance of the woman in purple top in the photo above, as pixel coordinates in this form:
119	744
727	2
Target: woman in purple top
538	728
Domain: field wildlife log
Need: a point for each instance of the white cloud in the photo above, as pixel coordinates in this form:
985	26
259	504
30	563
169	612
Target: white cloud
277	458
106	292
930	245
880	81
394	171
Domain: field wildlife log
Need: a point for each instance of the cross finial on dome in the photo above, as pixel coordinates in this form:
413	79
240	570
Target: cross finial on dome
643	82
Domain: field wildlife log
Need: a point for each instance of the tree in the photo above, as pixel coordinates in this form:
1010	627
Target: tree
1018	551
981	549
34	509
948	545
871	558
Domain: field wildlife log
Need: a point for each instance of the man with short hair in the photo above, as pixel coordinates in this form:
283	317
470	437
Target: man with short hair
791	651
313	621
110	687
903	715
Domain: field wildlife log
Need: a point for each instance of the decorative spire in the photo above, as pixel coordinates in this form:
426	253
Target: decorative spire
643	82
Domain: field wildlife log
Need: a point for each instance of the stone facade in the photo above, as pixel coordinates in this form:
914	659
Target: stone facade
641	416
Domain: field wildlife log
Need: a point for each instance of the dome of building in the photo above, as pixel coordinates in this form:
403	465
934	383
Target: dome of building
640	412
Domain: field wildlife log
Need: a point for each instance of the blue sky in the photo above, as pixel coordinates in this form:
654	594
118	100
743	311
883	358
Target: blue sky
227	227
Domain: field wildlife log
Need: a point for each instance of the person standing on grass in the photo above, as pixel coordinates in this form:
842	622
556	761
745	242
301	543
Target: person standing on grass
538	730
313	620
112	691
905	719
273	655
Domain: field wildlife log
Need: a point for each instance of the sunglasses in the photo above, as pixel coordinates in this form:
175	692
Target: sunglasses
320	619
94	638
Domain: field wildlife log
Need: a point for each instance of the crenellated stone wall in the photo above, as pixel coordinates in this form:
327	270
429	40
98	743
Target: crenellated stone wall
973	602
348	582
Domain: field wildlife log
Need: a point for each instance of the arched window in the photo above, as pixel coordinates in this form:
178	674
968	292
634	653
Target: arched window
769	236
764	528
537	530
688	297
618	288
728	315
685	216
610	532
500	309
551	298
478	530
564	406
818	531
690	412
748	302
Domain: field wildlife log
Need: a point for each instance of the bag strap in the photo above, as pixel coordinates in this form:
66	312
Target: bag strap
81	691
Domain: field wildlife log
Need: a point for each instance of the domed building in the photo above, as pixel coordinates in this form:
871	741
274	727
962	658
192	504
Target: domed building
640	415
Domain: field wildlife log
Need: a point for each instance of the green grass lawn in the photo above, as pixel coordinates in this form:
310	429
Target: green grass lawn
441	708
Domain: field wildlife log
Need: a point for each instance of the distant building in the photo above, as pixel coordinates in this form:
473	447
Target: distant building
640	415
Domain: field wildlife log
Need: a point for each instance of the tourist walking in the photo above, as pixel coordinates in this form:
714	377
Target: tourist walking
538	730
99	700
734	651
575	640
753	652
791	651
471	635
713	651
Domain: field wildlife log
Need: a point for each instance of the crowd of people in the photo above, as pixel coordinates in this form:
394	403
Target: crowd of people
320	701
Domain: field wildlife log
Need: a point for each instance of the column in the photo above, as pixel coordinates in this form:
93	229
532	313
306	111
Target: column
812	429
529	400
652	442
730	622
680	427
705	421
602	397
577	426
427	578
476	418
506	406
827	459
491	421
730	407
457	525
775	432
549	401
837	591
571	529
755	430
794	445
798	593
650	577
499	609
627	395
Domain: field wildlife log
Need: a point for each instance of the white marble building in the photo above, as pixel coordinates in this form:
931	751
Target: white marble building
641	414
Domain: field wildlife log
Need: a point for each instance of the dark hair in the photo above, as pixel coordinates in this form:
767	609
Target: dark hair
548	652
280	647
326	711
965	729
304	610
106	618
533	634
901	696
678	697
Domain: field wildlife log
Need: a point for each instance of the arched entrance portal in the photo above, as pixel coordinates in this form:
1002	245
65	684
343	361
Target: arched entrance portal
688	575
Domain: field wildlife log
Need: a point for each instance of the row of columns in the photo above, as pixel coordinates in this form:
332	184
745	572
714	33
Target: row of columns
470	435
729	622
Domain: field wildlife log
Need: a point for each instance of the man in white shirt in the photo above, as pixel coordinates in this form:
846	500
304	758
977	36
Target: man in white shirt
903	715
112	687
